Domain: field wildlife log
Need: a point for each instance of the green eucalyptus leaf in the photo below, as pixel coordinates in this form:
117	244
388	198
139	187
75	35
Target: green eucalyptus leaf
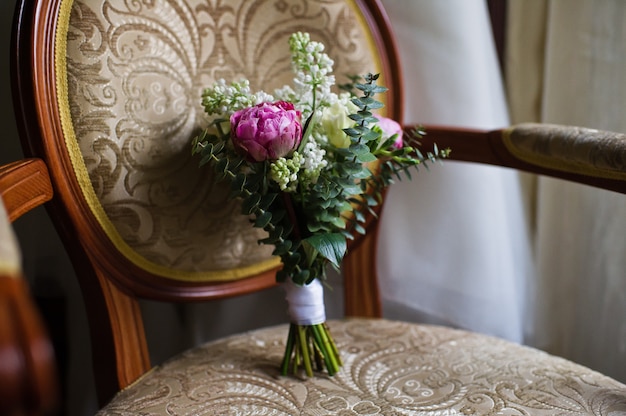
250	204
331	246
301	277
262	220
356	131
371	201
359	229
267	200
324	204
363	102
291	260
238	182
365	87
277	233
314	226
218	145
339	222
357	117
347	234
282	248
375	105
222	165
366	157
205	159
278	215
268	241
359	149
371	135
196	144
345	206
362	173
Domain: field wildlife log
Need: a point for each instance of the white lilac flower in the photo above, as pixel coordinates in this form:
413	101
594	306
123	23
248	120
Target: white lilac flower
313	162
286	93
312	68
284	172
226	99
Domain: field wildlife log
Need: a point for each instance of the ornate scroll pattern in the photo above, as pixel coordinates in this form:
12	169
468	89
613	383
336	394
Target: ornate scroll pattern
391	368
136	69
570	149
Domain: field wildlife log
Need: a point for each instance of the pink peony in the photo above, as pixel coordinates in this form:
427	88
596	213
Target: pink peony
266	131
389	128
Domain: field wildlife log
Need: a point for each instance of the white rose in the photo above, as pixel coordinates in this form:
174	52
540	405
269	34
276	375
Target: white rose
334	120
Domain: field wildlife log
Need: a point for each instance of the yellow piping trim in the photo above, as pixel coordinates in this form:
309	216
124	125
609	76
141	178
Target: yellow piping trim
9	269
562	165
89	193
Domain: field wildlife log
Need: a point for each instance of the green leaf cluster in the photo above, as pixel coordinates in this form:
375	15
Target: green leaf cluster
309	227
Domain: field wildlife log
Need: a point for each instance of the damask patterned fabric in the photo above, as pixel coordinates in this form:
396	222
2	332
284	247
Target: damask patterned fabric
572	149
390	368
135	74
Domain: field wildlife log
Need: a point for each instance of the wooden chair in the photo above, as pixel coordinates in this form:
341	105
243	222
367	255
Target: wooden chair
107	95
29	384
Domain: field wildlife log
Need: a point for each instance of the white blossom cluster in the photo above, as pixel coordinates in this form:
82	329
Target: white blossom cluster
312	164
225	99
313	71
301	169
285	172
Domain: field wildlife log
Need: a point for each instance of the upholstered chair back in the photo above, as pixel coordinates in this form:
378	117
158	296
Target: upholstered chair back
129	79
108	95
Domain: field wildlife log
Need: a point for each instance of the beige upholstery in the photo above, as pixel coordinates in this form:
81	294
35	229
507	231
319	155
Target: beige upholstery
572	149
391	368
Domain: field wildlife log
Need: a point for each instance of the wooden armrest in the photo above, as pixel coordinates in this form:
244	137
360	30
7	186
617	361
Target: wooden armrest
587	156
27	369
24	185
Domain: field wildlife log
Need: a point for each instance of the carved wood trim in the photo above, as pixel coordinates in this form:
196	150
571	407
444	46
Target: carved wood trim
24	185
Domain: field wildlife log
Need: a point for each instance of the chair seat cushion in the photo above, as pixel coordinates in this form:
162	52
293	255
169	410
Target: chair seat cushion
390	368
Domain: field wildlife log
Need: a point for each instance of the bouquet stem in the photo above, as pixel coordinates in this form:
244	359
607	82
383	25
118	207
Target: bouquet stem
309	345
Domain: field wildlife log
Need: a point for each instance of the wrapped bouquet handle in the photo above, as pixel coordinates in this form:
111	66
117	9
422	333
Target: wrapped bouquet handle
309	342
305	302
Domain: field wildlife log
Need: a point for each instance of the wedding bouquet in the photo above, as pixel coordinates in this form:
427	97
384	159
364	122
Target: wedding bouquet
308	164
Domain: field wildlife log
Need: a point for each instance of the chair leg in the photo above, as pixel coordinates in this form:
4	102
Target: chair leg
359	273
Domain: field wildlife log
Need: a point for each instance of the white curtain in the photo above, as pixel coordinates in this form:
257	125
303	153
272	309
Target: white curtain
455	247
572	54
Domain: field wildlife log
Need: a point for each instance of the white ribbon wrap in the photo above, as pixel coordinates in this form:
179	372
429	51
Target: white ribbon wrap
306	303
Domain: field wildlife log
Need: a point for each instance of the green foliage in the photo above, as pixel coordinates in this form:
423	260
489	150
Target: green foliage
308	228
